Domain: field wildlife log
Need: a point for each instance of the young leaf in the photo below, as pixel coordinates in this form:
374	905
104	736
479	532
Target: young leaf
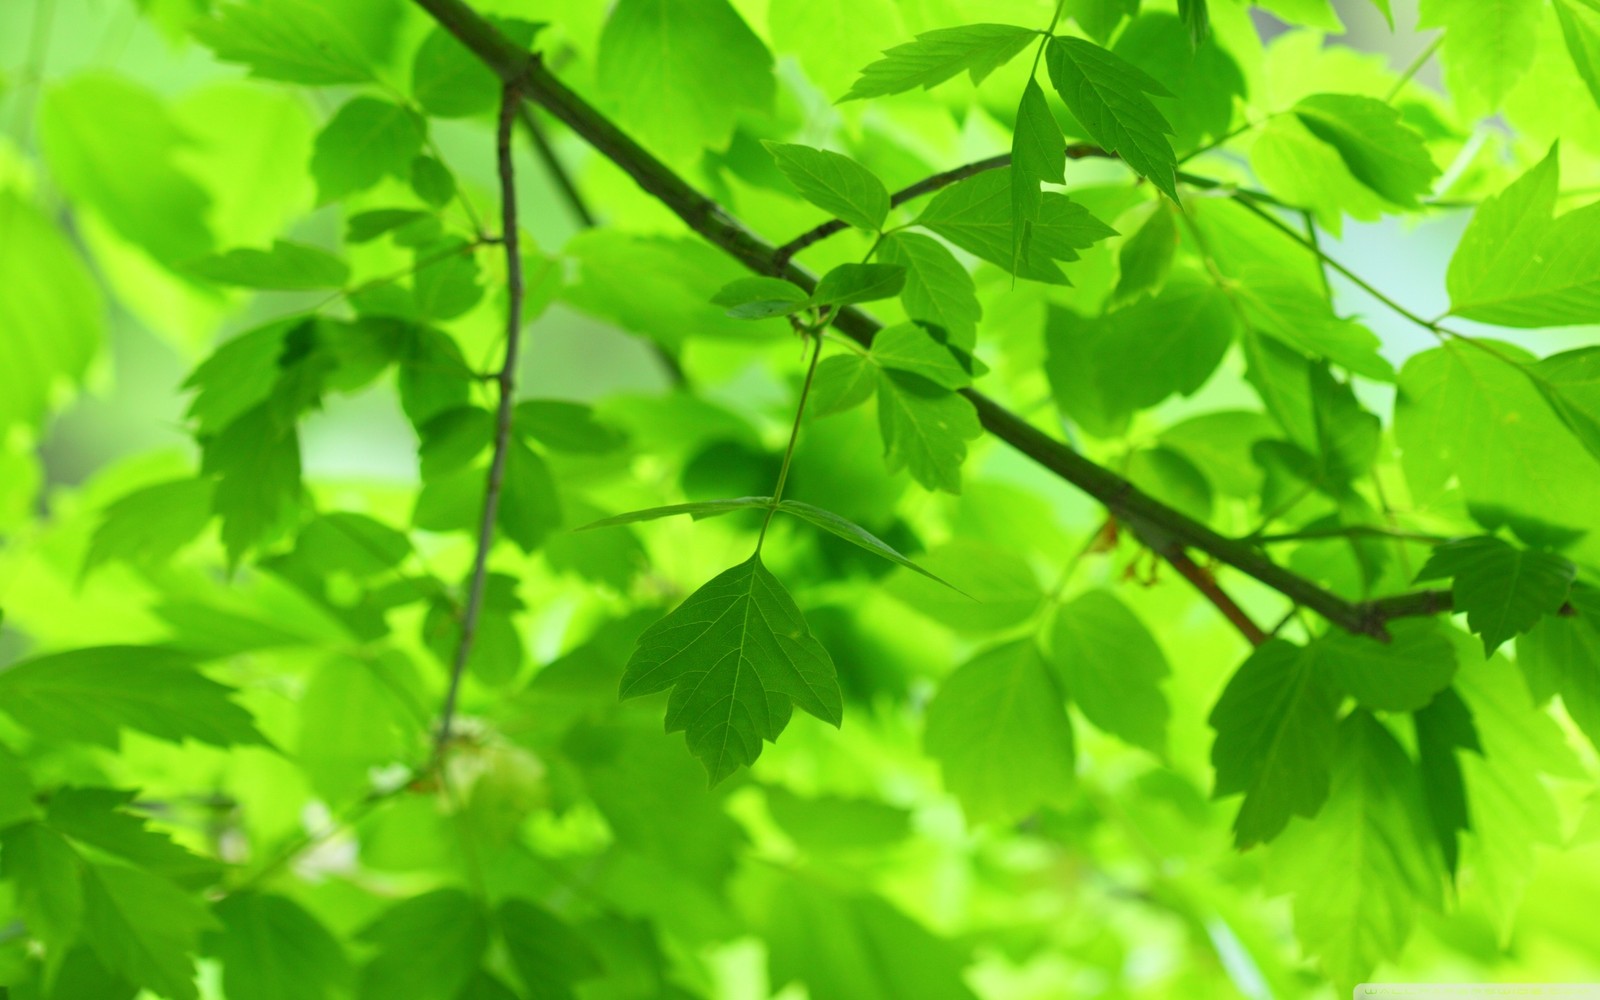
975	215
834	183
855	534
680	73
1038	155
366	139
1359	871
851	283
1401	675
149	525
272	949
1503	590
908	347
1106	95
1112	668
90	694
999	729
925	429
1570	383
1275	725
843	381
761	298
1382	152
1519	265
298	41
1580	27
144	928
737	657
938	290
1275	302
256	462
1444	728
1561	655
288	266
936	56
1488	44
1146	257
697	510
428	945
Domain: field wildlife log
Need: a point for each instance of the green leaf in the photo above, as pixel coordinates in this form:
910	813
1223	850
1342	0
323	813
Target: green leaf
1580	27
936	56
925	429
1503	590
908	347
1301	169
761	298
449	81
144	928
1146	257
289	266
113	146
432	181
546	953
1196	18
842	382
1520	265
357	716
428	947
851	283
364	227
1466	419
1488	44
433	377
256	464
938	290
1203	75
366	139
47	881
1401	675
90	694
149	525
697	510
680	73
835	183
52	312
999	729
561	425
272	949
1570	383
737	657
998	588
1112	668
1038	155
1383	153
975	215
855	534
1360	870
1561	656
298	41
101	818
1275	725
1275	302
1106	94
1444	728
530	507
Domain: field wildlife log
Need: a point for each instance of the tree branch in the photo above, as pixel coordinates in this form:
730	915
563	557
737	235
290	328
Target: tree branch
1207	584
706	217
506	379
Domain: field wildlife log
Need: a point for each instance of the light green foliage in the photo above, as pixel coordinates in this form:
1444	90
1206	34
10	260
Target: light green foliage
1489	44
1360	869
936	56
1275	742
1111	667
1521	265
50	312
1111	493
835	183
1107	96
737	657
364	140
680	73
1000	732
1379	150
1502	589
975	215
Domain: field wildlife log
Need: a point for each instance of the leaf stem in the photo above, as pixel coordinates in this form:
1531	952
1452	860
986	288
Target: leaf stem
510	99
794	435
1416	65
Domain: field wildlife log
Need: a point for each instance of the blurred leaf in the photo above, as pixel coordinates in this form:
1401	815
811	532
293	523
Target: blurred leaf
936	56
272	949
1503	590
292	266
428	947
1111	667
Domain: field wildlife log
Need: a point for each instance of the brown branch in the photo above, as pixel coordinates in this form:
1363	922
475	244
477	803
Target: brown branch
1207	585
707	218
506	379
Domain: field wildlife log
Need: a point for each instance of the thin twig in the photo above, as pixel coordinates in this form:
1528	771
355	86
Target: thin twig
1206	583
1411	71
510	99
794	435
